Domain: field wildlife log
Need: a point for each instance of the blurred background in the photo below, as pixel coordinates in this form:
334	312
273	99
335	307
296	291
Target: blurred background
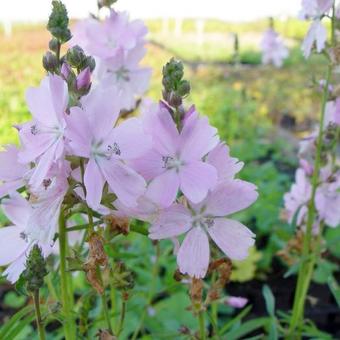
260	111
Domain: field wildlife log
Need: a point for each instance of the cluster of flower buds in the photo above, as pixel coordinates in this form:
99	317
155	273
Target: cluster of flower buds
175	88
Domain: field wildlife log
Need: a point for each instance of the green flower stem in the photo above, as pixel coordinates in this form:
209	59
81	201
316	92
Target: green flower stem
106	313
309	253
65	292
40	325
201	325
122	317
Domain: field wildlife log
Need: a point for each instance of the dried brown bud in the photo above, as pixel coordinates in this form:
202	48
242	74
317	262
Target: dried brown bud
196	290
224	271
213	295
97	253
104	334
178	276
117	224
93	277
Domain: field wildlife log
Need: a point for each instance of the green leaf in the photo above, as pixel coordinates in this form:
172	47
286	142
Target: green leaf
14	300
246	328
14	322
335	288
238	318
269	299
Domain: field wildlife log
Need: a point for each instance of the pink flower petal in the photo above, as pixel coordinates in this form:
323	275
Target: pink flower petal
197	137
232	237
173	221
17	209
11	244
196	178
230	197
94	183
163	189
127	184
193	255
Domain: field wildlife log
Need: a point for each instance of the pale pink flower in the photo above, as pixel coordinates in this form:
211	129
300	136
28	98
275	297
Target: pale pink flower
332	112
297	198
208	219
317	33
15	243
92	135
43	138
12	172
104	39
236	301
124	73
273	49
327	198
314	8
176	160
227	167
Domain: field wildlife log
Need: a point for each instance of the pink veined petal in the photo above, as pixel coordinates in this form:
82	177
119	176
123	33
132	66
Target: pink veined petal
14	270
320	37
230	197
232	237
150	165
164	131
172	221
194	253
79	132
34	145
40	104
43	165
59	95
163	189
9	187
102	113
130	138
140	79
197	137
10	169
225	165
11	244
17	209
94	182
135	55
196	178
127	184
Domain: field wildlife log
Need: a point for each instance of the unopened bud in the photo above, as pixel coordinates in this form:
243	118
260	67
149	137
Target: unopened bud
106	3
50	62
58	22
53	45
35	269
183	88
90	62
83	80
65	70
123	278
75	56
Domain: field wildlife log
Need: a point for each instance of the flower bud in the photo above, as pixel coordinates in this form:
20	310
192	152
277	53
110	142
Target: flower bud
65	70
58	22
90	62
53	45
50	62
106	3
75	56
83	80
35	270
123	278
183	88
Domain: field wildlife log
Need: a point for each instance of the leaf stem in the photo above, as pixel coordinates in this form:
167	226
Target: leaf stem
40	325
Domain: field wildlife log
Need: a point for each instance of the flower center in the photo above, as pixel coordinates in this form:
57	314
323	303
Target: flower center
122	74
172	162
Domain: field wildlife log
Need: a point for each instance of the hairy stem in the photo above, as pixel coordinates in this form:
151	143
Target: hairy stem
40	325
65	292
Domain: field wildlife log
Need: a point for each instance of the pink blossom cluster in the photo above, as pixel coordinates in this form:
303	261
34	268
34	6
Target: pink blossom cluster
317	33
118	47
180	179
327	197
273	49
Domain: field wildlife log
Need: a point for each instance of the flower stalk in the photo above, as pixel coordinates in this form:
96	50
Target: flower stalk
40	326
311	247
